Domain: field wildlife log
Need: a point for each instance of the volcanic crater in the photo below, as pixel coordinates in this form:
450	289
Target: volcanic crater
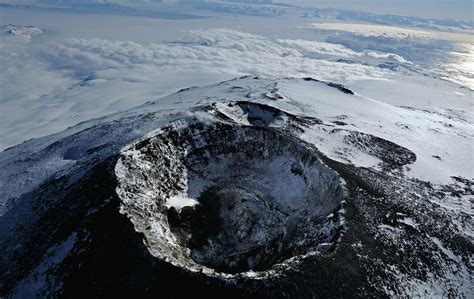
226	199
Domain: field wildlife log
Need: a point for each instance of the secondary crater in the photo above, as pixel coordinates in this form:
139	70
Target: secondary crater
225	199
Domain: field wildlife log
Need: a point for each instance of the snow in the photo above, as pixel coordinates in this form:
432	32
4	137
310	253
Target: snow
408	221
39	280
73	72
99	90
298	97
426	134
264	184
179	201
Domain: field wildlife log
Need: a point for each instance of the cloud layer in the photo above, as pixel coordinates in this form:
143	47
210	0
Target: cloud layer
370	30
217	50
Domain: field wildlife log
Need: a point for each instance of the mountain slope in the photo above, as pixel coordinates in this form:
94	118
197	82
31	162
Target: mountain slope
366	198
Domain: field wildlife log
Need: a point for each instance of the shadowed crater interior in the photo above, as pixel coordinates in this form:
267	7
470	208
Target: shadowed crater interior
221	198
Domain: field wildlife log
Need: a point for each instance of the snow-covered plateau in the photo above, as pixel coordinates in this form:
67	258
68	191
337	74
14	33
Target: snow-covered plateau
254	187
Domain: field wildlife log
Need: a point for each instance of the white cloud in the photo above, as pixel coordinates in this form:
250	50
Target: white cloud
330	49
19	33
217	50
370	30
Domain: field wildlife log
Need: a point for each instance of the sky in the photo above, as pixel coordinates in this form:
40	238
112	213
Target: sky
454	9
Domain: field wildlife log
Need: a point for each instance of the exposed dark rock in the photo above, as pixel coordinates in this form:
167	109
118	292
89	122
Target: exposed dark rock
340	87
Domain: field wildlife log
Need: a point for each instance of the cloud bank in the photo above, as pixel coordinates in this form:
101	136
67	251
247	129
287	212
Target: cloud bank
370	30
217	50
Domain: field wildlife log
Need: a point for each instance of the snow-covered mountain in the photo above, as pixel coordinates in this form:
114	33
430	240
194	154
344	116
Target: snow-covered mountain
253	186
172	148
